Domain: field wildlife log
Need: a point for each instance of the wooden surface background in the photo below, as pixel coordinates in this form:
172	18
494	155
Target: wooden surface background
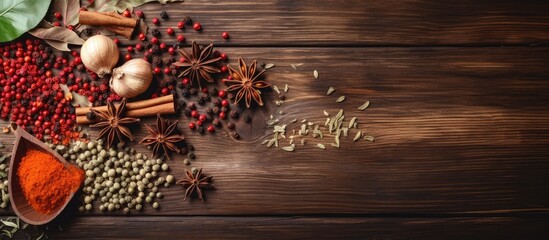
458	92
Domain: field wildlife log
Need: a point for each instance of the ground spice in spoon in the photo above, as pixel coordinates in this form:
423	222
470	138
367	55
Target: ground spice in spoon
46	182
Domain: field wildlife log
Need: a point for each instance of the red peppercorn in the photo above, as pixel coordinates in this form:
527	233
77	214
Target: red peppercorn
223	56
205	90
128	57
127	13
194	114
139	13
222	115
197	26
163	46
180	38
171	51
142	37
70	27
167	70
155	21
57	15
57	24
202	117
222	93
199	123
181	25
211	129
139	47
224	69
225	35
154	40
224	103
170	31
116	41
130	49
185	81
165	91
157	70
192	125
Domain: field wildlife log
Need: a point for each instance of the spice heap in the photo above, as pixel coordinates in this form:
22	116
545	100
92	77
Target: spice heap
4	169
46	182
119	178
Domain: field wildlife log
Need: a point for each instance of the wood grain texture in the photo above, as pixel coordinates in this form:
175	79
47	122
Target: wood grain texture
359	23
302	228
457	131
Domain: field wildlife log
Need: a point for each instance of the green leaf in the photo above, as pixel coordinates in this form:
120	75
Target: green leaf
57	37
121	5
19	16
70	10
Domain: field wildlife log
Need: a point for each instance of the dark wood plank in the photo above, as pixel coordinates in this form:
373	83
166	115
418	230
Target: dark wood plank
302	228
361	23
457	131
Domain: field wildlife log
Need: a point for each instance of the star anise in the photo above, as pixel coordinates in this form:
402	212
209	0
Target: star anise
195	183
112	122
162	137
245	81
197	63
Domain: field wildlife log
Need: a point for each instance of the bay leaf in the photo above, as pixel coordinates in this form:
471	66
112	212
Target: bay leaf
69	9
57	37
19	16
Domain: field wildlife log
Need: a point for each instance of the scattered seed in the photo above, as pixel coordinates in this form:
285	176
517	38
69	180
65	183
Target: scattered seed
315	74
265	142
286	88
340	99
269	65
364	106
320	145
293	120
369	138
303	142
275	88
326	113
271	142
330	91
357	136
289	148
304	121
352	122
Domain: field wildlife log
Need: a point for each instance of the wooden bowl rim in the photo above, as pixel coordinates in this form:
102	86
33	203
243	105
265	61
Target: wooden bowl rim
20	135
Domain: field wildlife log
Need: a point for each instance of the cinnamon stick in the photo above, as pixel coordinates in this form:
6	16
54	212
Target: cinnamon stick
166	108
123	31
82	111
106	19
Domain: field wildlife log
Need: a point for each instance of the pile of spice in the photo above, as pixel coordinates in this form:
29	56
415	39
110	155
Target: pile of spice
4	169
119	178
46	182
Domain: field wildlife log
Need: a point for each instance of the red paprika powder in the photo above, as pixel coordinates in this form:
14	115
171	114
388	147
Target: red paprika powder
46	182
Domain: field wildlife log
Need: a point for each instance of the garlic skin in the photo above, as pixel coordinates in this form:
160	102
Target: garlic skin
132	78
99	54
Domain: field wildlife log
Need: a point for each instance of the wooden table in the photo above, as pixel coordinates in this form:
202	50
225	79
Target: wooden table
459	97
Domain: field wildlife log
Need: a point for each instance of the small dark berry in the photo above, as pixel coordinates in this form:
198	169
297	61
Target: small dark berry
230	125
191	155
200	129
164	15
182	104
234	114
187	20
155	32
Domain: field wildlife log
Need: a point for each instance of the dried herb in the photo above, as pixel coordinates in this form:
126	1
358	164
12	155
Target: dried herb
197	63
364	106
162	137
195	183
245	81
112	122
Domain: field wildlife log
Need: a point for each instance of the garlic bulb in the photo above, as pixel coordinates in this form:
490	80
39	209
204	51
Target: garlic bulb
132	78
99	54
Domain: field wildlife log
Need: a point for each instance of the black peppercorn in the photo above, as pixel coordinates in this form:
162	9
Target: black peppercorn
155	49
213	91
215	110
146	44
230	96
200	100
191	155
216	102
155	32
224	109
282	97
200	130
230	125
168	60
185	92
247	119
191	106
164	15
187	20
216	122
180	85
209	110
191	147
157	61
193	91
233	114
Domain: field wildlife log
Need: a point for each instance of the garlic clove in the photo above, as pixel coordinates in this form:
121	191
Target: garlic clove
99	54
132	78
